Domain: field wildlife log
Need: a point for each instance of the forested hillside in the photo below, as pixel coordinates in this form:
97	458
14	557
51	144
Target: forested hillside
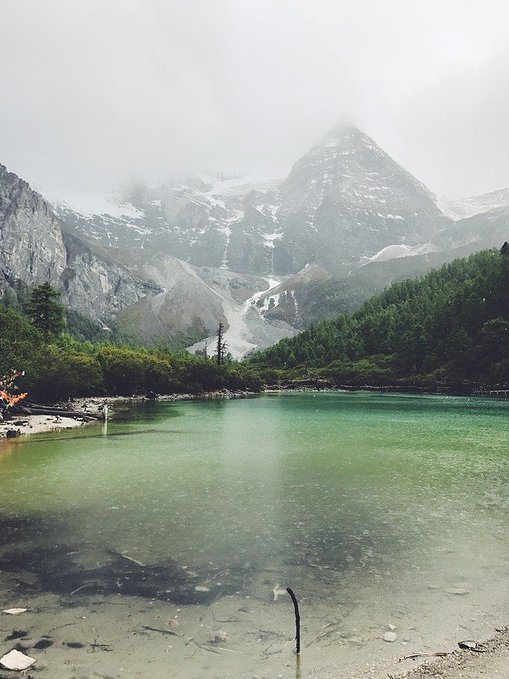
57	365
451	326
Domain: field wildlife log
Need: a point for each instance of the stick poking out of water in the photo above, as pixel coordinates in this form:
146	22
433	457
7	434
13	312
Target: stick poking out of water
297	619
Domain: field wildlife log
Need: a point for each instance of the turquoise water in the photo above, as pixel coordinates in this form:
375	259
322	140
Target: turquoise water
392	505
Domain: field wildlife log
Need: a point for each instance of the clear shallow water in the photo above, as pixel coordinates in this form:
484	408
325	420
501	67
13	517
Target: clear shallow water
376	509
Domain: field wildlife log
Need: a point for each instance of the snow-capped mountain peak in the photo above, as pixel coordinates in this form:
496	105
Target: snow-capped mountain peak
344	199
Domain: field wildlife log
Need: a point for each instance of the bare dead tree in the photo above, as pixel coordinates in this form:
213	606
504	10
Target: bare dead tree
221	344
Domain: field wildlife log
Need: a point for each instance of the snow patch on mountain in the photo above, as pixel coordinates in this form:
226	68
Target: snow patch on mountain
397	251
473	205
232	184
247	329
269	238
92	204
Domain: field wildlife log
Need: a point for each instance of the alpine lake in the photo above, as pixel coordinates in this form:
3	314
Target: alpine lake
161	543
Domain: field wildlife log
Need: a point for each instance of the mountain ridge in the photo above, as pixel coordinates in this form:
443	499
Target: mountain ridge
272	252
361	199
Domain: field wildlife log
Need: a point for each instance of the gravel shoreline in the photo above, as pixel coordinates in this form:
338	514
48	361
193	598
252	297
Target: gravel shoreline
22	424
492	662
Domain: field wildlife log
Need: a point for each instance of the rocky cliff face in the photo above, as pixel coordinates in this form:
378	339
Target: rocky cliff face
35	248
96	284
31	240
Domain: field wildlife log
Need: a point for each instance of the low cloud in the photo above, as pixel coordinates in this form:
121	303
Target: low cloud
99	92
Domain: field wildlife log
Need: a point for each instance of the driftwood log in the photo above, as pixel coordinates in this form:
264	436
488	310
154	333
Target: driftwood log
36	409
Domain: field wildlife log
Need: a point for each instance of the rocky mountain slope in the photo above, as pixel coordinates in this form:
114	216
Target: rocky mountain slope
474	205
194	300
347	199
152	296
35	247
265	258
343	200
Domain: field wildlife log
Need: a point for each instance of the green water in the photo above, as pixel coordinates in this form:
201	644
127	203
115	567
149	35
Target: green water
392	505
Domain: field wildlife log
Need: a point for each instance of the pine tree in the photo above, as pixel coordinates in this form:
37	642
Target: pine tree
44	310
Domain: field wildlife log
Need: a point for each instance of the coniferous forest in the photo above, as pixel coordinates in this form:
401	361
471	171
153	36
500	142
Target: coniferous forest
450	327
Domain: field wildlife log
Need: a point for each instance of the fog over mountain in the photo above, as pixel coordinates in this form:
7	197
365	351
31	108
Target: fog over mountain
96	94
166	263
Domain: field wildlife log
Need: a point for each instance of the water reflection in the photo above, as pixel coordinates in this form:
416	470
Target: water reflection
376	508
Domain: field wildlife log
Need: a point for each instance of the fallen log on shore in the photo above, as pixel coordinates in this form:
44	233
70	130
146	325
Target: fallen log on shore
29	409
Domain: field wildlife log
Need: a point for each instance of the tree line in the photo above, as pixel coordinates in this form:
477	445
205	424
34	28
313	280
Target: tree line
450	326
57	365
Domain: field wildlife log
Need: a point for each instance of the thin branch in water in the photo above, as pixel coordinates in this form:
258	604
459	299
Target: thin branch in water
413	656
297	619
161	631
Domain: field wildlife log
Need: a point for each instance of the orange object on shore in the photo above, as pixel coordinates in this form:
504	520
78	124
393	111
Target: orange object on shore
12	400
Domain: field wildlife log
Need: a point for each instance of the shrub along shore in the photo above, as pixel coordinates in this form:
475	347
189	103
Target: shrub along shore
58	367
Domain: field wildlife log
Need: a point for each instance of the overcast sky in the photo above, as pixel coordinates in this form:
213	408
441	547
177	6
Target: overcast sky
94	93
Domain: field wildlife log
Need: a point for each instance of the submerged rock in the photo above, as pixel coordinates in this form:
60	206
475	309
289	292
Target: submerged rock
470	645
15	660
390	636
459	591
43	643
